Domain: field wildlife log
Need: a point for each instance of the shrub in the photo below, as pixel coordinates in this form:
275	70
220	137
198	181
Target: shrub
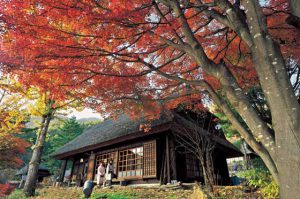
198	193
5	189
262	179
17	194
112	196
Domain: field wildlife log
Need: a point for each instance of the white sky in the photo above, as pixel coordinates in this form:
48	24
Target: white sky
86	113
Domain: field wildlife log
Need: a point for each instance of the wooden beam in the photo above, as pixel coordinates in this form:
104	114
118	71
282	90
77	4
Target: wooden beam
72	169
91	167
168	159
62	170
155	130
162	168
173	158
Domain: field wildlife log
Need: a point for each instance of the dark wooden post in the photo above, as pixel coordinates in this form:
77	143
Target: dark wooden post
117	165
62	170
173	159
168	159
162	169
72	169
91	167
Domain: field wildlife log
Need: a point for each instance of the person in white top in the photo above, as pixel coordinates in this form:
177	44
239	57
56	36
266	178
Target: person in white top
100	174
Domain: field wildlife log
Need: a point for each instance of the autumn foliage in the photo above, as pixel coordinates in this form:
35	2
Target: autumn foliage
6	189
12	119
105	45
142	55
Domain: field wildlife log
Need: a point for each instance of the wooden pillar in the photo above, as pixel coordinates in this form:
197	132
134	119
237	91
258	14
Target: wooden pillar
173	159
72	169
168	159
62	170
117	164
91	167
162	167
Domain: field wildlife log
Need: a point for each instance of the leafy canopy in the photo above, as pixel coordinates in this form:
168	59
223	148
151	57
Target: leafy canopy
112	53
13	115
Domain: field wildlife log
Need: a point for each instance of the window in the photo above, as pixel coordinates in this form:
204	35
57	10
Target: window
149	159
192	166
131	162
105	158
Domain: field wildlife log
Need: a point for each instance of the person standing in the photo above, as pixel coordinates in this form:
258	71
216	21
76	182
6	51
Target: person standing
235	167
109	172
100	174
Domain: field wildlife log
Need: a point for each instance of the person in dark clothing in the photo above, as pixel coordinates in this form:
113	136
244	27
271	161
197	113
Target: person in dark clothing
109	172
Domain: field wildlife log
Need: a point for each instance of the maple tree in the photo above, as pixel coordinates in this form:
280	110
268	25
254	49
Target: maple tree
12	118
130	54
44	106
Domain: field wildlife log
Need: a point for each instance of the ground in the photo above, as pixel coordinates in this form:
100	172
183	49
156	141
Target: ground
138	193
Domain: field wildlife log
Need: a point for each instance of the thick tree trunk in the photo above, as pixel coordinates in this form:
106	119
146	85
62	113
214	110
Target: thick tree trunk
282	102
32	175
295	7
288	160
279	144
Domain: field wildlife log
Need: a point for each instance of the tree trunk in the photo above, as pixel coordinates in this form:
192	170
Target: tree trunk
295	7
32	175
207	182
288	160
283	104
210	170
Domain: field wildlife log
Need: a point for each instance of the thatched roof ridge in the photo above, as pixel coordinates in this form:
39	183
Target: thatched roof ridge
107	130
24	169
115	131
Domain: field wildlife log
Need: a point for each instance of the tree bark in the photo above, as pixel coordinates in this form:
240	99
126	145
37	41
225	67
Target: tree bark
204	167
247	135
32	175
278	144
295	7
282	102
288	159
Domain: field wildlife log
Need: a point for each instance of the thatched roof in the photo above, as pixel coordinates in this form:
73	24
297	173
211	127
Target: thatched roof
108	130
24	169
114	131
219	139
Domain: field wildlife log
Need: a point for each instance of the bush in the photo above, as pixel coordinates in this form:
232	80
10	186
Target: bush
6	189
112	196
198	193
17	194
262	179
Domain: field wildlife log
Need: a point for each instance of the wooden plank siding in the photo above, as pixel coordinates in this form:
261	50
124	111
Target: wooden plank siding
150	159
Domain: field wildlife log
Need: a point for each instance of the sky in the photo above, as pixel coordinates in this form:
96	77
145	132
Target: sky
86	113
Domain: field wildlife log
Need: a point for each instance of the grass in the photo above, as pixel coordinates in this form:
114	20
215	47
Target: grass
224	192
17	194
112	196
114	193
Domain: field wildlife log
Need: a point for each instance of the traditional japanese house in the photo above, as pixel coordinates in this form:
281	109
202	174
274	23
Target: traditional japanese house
140	156
42	172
